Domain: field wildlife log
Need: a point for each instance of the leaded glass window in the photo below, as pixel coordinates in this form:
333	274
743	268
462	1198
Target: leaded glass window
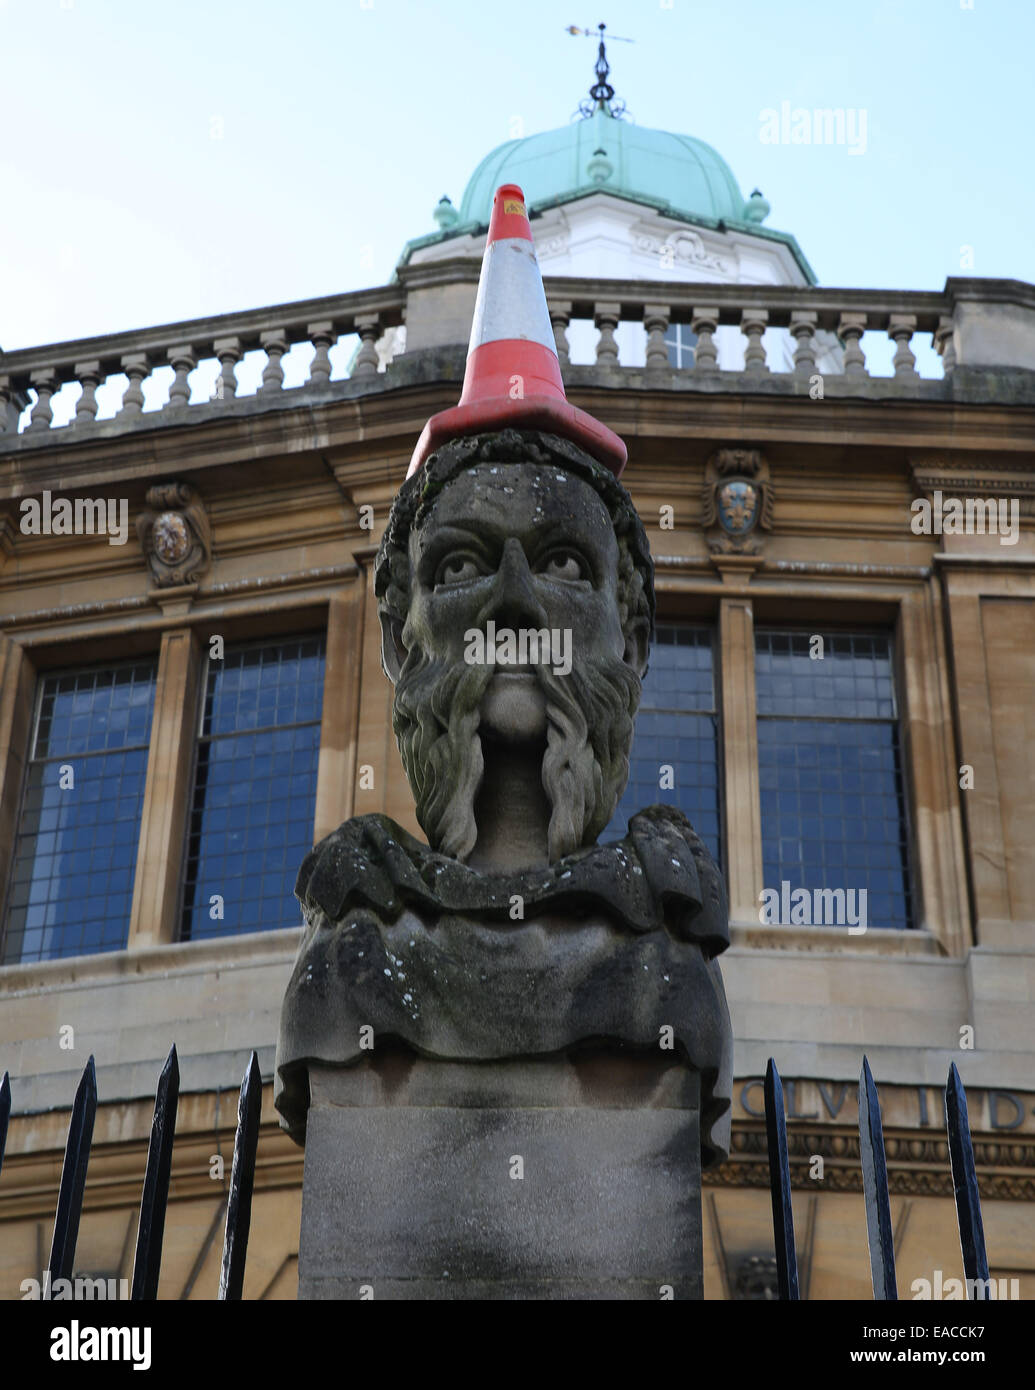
680	343
830	769
254	801
76	845
675	750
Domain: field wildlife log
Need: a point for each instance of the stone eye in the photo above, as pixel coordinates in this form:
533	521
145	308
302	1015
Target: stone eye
564	564
457	569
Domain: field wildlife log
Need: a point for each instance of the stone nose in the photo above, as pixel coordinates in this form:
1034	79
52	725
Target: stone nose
513	601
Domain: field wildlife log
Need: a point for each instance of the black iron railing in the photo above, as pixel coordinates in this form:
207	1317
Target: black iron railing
155	1195
875	1188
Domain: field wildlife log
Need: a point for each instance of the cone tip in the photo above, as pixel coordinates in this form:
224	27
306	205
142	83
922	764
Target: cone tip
509	216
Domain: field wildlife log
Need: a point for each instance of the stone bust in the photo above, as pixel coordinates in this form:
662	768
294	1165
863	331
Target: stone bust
516	599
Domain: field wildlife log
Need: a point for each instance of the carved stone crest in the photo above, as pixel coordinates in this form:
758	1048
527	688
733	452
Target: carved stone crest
174	535
683	248
738	500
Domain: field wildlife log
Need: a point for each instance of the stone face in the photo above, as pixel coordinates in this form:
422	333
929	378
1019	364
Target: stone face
539	1198
507	537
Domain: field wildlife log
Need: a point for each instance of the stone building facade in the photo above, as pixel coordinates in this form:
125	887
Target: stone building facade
191	693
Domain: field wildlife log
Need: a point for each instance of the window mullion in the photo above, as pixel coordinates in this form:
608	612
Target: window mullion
742	801
18	717
169	765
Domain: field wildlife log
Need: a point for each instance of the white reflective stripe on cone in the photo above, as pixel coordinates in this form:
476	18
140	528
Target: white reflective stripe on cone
511	300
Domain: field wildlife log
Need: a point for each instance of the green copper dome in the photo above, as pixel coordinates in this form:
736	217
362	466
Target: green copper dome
671	172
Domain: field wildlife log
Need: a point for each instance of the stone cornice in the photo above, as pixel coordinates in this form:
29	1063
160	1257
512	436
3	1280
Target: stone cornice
424	275
1018	292
224	952
309	586
341	417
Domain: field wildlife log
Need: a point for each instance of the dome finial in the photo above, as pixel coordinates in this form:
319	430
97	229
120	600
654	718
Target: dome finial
445	214
756	209
601	93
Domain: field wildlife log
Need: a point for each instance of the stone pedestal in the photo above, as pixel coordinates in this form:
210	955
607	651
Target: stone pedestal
574	1178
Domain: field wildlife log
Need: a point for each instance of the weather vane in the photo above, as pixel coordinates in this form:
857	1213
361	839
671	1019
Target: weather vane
602	93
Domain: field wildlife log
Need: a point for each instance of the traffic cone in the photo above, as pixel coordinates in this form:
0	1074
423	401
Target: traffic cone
513	377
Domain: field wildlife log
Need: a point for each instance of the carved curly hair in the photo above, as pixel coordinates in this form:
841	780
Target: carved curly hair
418	494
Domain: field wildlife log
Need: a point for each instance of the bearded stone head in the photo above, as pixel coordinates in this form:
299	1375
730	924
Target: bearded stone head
516	598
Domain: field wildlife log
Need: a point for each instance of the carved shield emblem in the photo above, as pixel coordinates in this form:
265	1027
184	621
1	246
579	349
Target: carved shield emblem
738	500
174	534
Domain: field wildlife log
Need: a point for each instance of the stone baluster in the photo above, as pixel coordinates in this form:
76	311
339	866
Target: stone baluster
228	350
89	373
803	328
183	361
703	324
901	328
753	323
136	365
560	317
45	382
368	326
945	343
607	317
275	343
322	336
850	328
8	409
656	318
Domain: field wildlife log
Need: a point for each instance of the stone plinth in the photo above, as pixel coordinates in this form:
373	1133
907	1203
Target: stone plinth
560	1178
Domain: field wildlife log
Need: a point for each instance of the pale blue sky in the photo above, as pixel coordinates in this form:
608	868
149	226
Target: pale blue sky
168	160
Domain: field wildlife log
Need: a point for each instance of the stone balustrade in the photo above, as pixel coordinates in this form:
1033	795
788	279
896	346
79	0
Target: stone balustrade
983	324
802	312
183	346
971	322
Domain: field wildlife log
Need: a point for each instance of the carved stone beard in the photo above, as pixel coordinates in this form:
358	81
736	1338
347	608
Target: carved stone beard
589	712
435	717
590	715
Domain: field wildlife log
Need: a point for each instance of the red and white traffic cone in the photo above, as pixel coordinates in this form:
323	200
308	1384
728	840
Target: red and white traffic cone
513	377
